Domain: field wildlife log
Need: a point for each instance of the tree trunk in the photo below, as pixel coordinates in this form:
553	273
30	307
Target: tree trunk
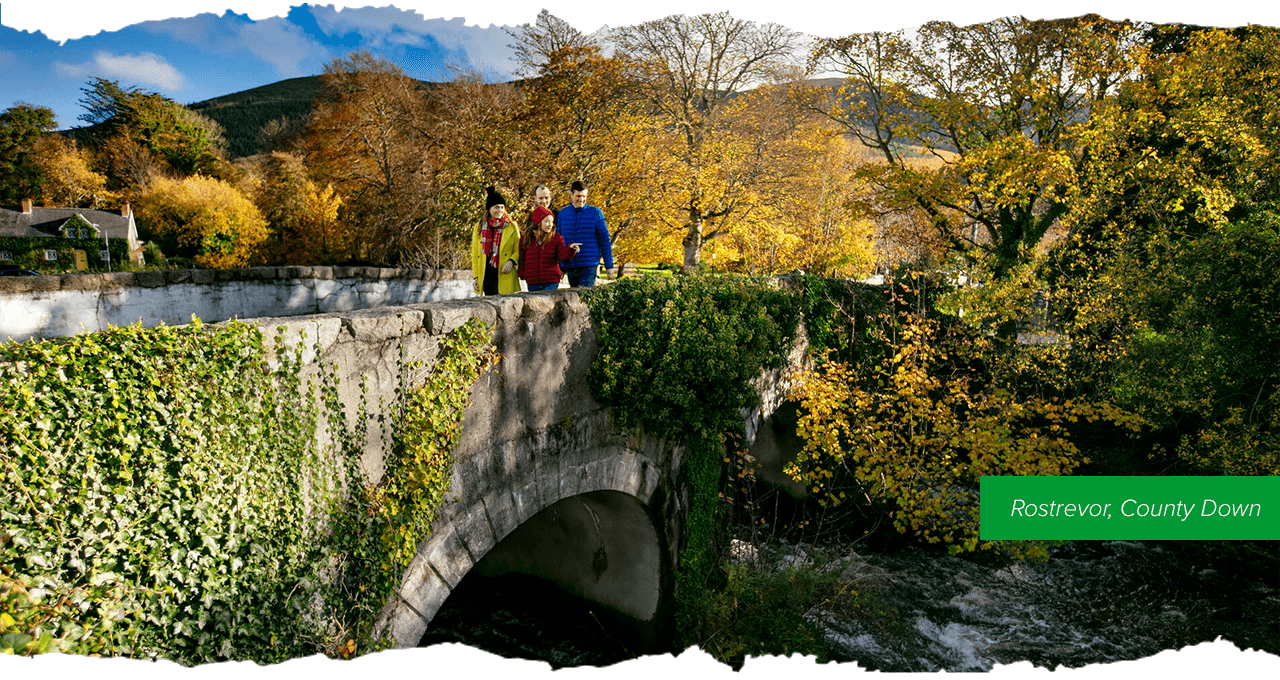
692	248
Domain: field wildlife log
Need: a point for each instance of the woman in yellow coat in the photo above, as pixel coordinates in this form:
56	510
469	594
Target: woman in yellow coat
495	249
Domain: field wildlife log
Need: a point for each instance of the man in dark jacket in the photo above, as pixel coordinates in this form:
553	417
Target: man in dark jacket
584	225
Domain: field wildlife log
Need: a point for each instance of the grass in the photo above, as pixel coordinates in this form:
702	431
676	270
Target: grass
768	607
654	269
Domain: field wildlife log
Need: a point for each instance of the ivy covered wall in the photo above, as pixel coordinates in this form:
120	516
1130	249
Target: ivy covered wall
162	495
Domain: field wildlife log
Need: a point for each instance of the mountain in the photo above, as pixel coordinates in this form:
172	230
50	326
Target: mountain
244	115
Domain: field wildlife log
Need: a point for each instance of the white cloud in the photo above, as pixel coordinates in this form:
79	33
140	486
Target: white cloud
145	68
207	31
485	48
283	45
274	40
376	24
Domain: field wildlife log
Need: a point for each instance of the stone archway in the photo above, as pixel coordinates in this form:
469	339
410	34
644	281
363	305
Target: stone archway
602	546
589	529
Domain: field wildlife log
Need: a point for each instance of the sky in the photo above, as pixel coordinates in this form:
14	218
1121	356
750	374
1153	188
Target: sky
193	50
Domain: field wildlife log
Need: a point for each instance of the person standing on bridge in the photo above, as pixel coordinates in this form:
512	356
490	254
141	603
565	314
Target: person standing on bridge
495	248
541	251
584	224
541	197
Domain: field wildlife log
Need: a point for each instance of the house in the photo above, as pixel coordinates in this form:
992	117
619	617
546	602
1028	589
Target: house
46	237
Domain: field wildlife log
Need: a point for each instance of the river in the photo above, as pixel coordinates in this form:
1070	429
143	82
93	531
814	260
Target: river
922	610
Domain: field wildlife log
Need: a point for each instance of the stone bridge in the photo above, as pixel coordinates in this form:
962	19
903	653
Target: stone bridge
542	482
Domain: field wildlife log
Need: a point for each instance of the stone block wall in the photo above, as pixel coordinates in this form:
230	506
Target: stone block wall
58	306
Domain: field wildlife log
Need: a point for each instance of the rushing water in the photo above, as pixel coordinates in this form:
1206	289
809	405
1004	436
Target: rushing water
1094	602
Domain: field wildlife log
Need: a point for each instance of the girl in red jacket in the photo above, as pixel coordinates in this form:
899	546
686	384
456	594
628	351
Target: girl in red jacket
541	251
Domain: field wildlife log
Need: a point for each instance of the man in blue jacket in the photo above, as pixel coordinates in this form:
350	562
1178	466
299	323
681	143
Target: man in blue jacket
584	225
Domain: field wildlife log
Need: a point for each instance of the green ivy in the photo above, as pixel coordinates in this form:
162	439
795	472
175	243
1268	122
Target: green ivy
381	525
676	359
836	315
28	253
163	495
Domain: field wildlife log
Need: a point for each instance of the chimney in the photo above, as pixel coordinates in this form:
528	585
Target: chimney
26	206
125	210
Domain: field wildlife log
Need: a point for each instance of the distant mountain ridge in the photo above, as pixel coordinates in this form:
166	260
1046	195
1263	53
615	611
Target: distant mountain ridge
243	115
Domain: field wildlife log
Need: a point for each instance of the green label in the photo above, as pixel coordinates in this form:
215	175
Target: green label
1130	508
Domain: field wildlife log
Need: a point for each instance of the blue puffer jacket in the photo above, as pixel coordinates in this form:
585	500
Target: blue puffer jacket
585	226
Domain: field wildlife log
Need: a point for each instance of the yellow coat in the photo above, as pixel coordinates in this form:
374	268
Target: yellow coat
508	249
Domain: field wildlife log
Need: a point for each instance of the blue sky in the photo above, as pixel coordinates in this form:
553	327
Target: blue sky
207	55
192	50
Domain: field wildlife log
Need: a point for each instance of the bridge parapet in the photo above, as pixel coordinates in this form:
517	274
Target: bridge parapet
58	306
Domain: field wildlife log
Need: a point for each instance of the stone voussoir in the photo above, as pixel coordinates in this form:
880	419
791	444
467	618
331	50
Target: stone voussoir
445	553
473	528
501	510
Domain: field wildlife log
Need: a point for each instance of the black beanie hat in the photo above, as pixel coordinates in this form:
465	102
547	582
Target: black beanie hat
494	198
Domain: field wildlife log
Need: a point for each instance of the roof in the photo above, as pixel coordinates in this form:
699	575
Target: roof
45	222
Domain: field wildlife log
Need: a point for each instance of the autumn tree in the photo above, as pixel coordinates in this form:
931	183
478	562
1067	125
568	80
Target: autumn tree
125	119
365	139
582	118
128	164
1002	105
22	129
912	418
302	216
1167	288
534	44
70	180
812	217
409	165
203	218
693	70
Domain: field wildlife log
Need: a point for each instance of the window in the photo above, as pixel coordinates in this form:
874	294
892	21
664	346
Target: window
6	255
104	255
51	255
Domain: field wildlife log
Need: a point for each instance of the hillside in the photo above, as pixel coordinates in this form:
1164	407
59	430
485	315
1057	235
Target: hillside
243	115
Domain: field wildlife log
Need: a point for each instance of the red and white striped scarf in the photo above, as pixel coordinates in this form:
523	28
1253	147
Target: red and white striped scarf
491	237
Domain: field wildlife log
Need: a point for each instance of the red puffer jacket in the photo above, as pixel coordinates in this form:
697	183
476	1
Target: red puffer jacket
541	263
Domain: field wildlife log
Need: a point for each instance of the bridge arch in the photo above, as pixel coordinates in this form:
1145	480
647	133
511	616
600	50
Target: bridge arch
591	532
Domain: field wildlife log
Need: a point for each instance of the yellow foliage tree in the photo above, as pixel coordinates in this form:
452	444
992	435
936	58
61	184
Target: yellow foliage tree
701	74
1001	105
1167	288
303	217
69	181
203	218
811	217
582	119
917	429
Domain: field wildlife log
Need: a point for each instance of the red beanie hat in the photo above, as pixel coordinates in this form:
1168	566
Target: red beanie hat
540	213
